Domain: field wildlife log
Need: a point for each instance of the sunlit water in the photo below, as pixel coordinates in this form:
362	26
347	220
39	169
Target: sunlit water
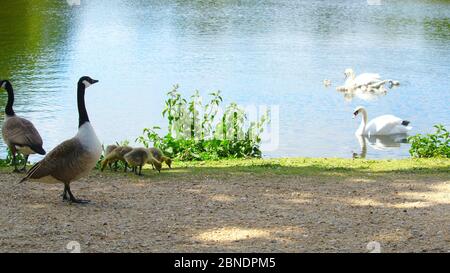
255	52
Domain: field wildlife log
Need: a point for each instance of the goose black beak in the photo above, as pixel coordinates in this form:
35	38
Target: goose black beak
94	81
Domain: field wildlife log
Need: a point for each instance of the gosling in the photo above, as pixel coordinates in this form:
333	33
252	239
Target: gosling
138	157
108	150
117	155
156	164
159	156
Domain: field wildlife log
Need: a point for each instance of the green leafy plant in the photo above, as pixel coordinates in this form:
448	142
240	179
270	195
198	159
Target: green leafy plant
431	145
198	131
8	161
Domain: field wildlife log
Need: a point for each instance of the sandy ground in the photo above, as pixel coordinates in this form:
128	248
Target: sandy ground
228	213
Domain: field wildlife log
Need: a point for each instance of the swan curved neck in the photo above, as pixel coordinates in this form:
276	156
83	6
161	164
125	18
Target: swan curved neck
9	105
82	112
362	126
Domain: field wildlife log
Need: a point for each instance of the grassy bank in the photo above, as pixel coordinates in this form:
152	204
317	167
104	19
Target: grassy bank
317	166
302	166
306	167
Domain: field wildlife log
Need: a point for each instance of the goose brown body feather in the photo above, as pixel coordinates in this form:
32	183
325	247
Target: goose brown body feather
67	162
19	132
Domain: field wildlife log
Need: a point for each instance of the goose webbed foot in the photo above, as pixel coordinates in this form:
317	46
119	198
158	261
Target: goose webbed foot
79	201
71	197
65	197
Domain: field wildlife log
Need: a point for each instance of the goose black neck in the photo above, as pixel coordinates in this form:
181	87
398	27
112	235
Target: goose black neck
82	112
9	105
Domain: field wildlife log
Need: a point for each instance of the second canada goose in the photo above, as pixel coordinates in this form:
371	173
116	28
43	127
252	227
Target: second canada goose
158	155
73	158
19	134
116	155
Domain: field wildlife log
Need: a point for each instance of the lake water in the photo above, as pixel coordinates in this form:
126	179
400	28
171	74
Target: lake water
255	52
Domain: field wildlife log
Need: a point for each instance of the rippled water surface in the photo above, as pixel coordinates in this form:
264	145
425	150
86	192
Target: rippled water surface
255	52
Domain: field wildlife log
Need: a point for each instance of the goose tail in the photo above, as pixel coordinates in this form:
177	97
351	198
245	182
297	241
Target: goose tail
30	173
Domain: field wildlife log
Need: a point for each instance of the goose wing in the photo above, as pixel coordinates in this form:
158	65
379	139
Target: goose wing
21	132
64	162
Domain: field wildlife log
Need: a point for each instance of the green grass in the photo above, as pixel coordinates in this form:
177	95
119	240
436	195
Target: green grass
318	166
303	166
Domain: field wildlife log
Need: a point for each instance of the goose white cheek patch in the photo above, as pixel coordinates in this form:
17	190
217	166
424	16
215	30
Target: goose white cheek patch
86	83
3	85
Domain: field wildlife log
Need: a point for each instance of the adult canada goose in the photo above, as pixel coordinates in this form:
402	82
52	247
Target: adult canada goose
116	155
108	150
158	155
382	125
19	134
73	158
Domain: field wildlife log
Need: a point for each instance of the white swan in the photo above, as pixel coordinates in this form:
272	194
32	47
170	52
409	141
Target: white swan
382	125
351	80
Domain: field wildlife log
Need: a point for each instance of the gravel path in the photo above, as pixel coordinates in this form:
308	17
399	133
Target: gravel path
228	213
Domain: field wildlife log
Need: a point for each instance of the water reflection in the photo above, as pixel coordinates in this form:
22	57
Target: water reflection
364	93
256	52
379	143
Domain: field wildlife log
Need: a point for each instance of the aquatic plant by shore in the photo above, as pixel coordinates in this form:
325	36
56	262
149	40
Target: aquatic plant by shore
198	131
436	144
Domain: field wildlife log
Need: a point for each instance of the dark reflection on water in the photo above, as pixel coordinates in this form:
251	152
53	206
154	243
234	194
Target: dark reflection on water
256	52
